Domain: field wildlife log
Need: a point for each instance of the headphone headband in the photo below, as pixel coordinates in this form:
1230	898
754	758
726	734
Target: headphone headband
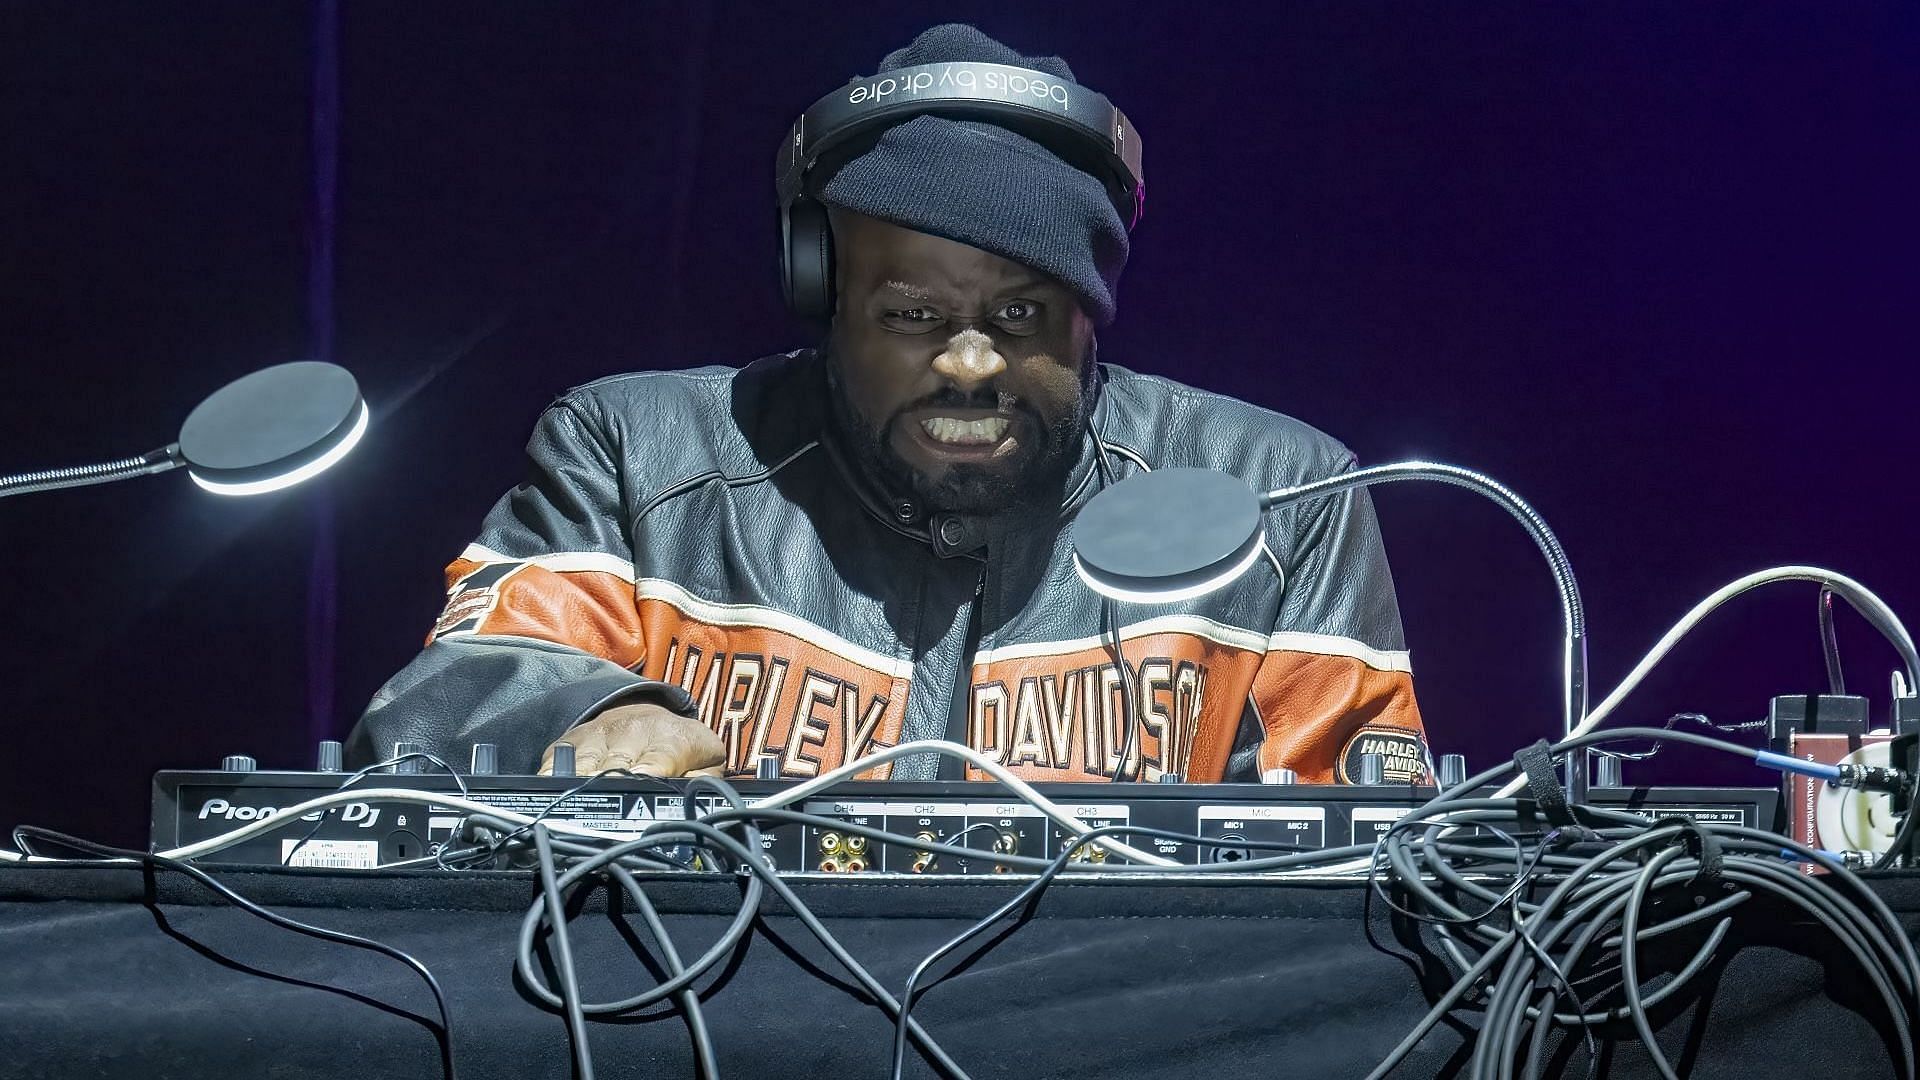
1029	102
1078	125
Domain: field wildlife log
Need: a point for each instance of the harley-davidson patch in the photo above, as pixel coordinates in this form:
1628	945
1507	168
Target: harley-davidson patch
1403	751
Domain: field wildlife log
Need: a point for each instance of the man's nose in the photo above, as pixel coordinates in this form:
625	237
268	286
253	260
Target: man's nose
969	359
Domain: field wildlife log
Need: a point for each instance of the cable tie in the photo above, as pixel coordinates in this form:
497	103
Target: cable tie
1703	846
1567	836
1536	762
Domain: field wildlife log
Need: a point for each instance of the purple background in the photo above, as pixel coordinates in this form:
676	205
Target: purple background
1651	265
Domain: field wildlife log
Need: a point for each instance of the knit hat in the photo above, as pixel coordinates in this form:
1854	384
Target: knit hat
987	187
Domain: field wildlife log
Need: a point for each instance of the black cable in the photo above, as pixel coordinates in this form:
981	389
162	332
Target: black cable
555	803
1520	956
287	859
443	1035
1698	718
1284	862
1902	836
681	977
1129	700
689	998
1608	869
1452	915
563	957
1536	1052
739	814
1030	895
1507	1010
1630	960
1462	866
1837	683
1830	644
747	861
729	939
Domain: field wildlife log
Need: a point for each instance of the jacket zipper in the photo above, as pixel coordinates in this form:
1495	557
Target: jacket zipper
952	768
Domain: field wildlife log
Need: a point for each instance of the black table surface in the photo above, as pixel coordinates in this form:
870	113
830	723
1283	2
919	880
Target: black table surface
112	971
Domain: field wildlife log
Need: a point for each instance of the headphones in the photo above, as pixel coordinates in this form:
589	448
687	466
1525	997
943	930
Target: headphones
1077	125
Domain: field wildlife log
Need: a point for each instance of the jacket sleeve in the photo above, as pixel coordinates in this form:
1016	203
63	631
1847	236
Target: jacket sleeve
540	628
1335	681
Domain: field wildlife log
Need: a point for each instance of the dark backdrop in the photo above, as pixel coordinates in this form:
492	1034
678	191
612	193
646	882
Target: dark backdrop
1652	265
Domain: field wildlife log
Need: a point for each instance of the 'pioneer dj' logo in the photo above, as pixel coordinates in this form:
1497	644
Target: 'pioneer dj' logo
359	813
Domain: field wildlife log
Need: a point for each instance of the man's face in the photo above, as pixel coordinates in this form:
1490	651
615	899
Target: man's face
961	375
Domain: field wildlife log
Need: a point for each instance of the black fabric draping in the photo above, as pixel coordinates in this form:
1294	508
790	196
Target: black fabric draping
119	972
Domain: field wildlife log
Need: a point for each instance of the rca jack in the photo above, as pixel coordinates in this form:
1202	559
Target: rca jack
1004	843
1088	853
923	860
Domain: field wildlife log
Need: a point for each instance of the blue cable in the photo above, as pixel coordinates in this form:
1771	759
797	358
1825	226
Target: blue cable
1788	763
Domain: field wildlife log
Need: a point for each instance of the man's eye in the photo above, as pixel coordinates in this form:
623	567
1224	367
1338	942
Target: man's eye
912	315
1019	311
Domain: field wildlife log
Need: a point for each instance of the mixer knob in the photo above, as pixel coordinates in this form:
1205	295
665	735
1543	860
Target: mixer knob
238	763
411	765
1610	774
562	759
486	759
1453	769
329	758
1373	769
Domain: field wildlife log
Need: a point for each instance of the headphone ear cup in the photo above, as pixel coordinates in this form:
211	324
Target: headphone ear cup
807	260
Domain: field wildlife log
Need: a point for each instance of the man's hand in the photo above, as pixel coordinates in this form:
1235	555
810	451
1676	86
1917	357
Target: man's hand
642	739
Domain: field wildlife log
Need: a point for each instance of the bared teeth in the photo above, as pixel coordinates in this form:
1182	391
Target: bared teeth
947	429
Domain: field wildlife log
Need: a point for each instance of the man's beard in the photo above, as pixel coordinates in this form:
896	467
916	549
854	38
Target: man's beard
1036	478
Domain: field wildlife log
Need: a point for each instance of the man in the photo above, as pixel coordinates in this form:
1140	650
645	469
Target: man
835	550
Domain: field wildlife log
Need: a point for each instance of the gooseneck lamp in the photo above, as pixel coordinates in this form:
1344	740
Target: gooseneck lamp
263	432
1174	534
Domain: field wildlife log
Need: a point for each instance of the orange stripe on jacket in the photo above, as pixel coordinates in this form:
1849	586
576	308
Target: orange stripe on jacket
589	610
1315	707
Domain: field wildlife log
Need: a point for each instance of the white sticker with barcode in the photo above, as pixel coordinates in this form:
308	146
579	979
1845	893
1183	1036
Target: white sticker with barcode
332	854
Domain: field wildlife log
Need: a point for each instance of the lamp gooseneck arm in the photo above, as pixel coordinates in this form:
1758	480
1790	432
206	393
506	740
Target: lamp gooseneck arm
1573	613
153	461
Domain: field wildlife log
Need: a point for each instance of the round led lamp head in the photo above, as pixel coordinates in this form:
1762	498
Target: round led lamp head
1166	536
273	428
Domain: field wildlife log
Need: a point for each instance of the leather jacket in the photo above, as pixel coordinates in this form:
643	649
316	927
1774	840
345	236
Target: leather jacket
704	528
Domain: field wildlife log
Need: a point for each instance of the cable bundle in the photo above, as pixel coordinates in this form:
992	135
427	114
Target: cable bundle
1549	925
1549	915
727	839
654	850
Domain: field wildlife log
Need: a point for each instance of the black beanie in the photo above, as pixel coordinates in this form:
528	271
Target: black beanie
987	187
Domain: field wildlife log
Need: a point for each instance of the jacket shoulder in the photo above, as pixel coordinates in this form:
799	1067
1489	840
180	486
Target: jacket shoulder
673	424
654	395
1173	425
